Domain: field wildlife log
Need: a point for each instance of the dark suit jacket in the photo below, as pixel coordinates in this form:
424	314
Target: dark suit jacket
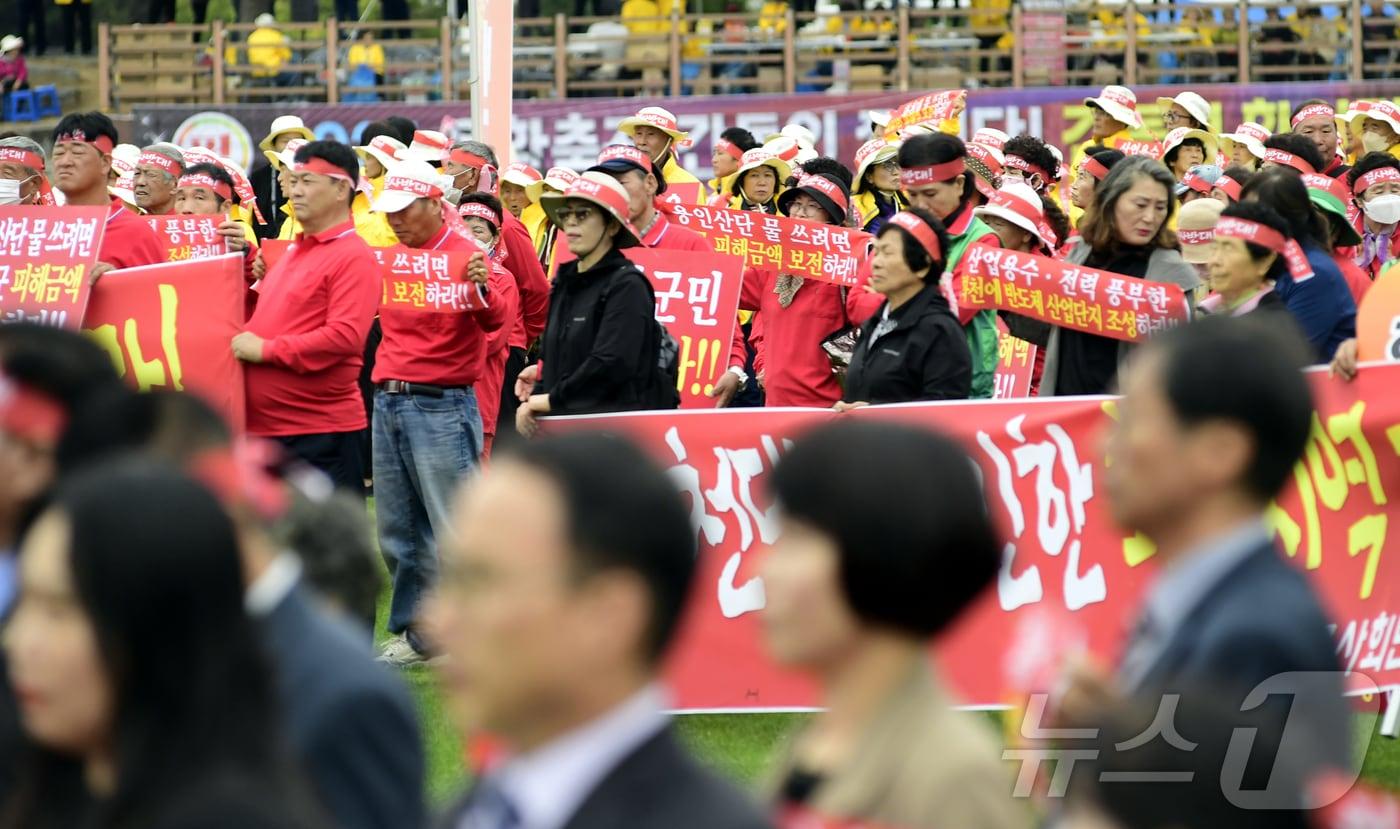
1260	620
351	724
658	786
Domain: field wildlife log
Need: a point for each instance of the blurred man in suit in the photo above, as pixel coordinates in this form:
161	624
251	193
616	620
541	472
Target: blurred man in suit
560	592
1214	417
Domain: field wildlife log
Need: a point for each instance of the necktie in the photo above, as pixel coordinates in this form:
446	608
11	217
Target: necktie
786	288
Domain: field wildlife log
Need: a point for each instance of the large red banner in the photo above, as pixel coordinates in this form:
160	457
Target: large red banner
796	246
1070	579
169	327
46	256
1073	296
697	299
189	237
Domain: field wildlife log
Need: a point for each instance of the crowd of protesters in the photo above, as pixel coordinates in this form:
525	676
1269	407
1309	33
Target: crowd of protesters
187	641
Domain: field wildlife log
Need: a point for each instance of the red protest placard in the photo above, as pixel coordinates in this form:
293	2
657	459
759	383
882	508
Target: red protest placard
169	327
1151	149
697	299
1065	557
189	237
685	192
796	246
1015	366
414	280
46	255
1072	296
934	108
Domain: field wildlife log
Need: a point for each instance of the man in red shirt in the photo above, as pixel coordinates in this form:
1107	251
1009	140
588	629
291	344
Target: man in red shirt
304	345
466	162
82	159
427	427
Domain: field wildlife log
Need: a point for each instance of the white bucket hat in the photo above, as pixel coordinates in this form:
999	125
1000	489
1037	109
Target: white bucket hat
288	154
875	151
284	124
1179	136
989	137
384	149
1120	103
760	157
1018	204
407	182
1192	103
557	178
429	146
521	175
1385	112
11	42
1250	134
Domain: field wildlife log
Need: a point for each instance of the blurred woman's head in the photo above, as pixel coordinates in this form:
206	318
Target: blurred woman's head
1239	268
885	532
1131	207
1283	190
908	252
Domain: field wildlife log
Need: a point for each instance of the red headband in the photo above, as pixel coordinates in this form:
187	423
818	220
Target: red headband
921	232
984	155
1015	162
1288	160
1196	237
730	149
208	182
468	159
1195	182
1095	168
29	159
167	165
29	413
321	167
1232	188
478	210
1231	227
919	176
101	142
826	187
1314	111
1376	176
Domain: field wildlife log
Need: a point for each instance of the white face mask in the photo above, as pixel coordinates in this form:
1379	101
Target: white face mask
9	192
1383	209
1374	143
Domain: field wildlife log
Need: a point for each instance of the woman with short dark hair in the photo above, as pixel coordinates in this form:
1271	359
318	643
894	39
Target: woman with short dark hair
1125	231
136	666
1247	256
886	541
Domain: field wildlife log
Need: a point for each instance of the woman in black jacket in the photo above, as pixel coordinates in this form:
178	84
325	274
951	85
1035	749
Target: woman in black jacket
913	348
601	342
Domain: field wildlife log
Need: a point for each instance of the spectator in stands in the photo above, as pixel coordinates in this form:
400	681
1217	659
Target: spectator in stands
1187	110
270	51
14	74
876	196
1321	39
1125	231
853	599
758	183
1230	186
1245	146
33	16
1380	131
77	25
158	170
1293	151
347	12
365	51
170	725
913	348
1081	192
82	158
1375	183
1320	302
1316	120
1246	259
1276	37
726	160
160	11
23	178
1378	32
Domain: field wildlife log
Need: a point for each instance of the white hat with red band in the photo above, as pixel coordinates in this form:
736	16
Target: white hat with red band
407	182
1020	205
1250	134
283	124
1181	135
288	154
989	137
605	192
1120	103
1385	112
759	157
1355	110
521	175
658	118
384	149
428	145
1194	104
555	178
875	151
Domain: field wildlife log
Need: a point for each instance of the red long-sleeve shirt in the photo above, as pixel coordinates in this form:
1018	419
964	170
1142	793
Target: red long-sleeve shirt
488	388
314	313
438	349
788	341
129	241
523	263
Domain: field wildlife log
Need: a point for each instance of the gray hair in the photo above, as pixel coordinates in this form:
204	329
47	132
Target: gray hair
1097	228
169	151
19	142
478	148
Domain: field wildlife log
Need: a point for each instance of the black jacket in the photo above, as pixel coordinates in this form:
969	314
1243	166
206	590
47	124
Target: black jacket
601	343
657	786
925	357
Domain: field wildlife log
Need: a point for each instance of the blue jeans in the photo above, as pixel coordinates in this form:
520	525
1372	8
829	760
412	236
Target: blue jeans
423	448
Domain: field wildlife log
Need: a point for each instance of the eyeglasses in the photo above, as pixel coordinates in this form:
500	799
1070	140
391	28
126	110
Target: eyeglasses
566	215
890	166
1170	117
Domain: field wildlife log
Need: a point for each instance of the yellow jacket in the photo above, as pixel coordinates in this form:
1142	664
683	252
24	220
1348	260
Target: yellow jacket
533	218
635	14
674	173
990	14
721	185
268	49
868	208
371	56
773	17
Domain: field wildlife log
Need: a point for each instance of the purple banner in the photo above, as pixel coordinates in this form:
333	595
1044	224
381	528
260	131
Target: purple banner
570	132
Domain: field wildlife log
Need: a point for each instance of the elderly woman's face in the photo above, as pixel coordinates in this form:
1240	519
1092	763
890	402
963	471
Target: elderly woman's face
1140	211
1234	273
807	621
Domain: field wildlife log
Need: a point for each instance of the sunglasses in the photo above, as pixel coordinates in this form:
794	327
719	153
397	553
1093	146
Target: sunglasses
565	215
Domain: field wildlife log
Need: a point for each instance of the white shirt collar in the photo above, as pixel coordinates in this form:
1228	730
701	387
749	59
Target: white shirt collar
273	585
549	784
